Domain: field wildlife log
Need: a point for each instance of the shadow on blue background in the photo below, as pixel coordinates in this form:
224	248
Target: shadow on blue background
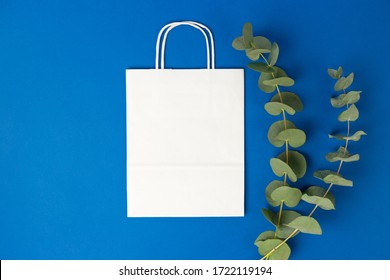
62	125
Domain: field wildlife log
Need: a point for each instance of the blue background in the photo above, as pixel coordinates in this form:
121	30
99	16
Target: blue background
62	124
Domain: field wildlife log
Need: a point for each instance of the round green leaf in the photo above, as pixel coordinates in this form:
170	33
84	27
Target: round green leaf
268	215
261	67
269	234
239	44
273	56
280	168
355	137
264	77
282	253
282	81
345	99
253	54
335	74
290	99
296	161
316	195
287	195
331	177
342	155
344	83
283	231
247	35
269	189
276	108
351	114
262	43
268	76
306	224
274	131
295	137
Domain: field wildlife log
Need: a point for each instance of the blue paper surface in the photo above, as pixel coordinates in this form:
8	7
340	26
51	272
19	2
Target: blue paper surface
62	125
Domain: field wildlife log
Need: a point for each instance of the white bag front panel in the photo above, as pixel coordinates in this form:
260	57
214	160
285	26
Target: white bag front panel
185	142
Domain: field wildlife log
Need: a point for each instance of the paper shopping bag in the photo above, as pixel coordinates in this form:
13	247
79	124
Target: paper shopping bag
185	138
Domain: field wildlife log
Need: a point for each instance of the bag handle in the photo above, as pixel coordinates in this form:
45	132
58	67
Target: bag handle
168	27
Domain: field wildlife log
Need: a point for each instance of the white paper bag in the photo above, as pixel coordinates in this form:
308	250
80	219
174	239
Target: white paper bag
185	138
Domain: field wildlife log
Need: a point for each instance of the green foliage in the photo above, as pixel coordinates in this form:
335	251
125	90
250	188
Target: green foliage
355	137
335	74
269	234
280	168
275	129
319	196
294	137
331	177
261	67
287	195
290	99
351	114
306	224
269	190
273	56
291	165
283	252
344	82
276	108
296	161
345	99
282	81
341	155
282	230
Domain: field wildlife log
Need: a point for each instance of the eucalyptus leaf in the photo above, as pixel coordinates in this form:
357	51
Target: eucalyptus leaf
273	56
295	137
280	168
264	77
268	215
344	82
331	177
342	155
239	44
283	231
269	234
247	35
253	54
282	253
282	81
262	43
345	99
270	188
316	195
306	224
355	137
290	99
335	74
296	161
280	72
269	76
274	131
351	114
276	108
287	195
261	67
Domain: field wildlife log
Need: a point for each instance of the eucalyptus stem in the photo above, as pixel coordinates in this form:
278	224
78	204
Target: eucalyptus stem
290	163
286	142
349	115
315	207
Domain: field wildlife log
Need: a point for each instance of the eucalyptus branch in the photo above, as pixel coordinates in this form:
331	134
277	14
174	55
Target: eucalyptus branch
288	164
317	195
292	164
